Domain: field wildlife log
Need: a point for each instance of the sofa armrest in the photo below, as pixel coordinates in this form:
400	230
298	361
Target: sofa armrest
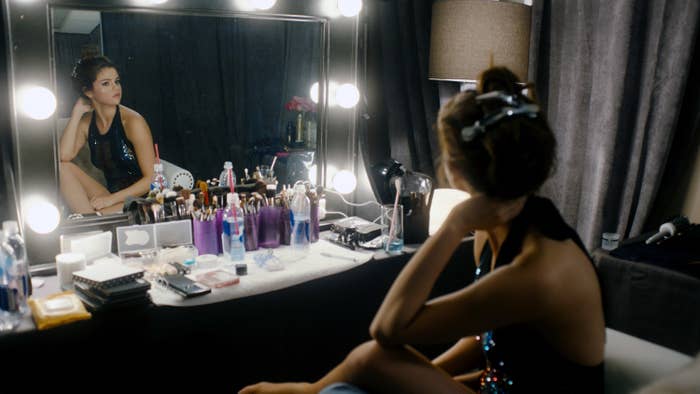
631	362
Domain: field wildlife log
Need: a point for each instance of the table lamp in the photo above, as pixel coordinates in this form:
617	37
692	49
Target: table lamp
469	36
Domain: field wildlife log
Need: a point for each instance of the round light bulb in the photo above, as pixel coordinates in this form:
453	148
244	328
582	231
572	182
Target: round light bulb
330	173
313	92
41	215
329	8
349	8
263	4
347	95
344	182
36	102
243	5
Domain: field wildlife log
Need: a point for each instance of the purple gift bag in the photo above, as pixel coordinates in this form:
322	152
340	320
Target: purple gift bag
269	227
205	238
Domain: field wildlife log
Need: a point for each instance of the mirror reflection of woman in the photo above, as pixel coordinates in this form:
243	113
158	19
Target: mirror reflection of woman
119	138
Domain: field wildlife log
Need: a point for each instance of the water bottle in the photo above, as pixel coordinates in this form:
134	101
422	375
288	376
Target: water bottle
159	182
15	282
8	315
225	224
224	177
236	225
301	211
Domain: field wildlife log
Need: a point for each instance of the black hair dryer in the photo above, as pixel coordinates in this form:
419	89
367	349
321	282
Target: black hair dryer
416	195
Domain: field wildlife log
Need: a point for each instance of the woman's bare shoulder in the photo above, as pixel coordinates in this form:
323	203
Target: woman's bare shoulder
129	114
560	263
132	120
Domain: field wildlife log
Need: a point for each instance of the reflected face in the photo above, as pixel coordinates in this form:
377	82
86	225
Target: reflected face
107	87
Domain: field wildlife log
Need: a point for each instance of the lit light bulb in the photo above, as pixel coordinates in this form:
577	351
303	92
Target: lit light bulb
158	1
344	182
330	9
41	215
313	92
349	8
243	5
331	170
263	4
347	95
36	102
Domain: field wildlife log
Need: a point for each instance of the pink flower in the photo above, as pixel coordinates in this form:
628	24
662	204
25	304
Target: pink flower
300	104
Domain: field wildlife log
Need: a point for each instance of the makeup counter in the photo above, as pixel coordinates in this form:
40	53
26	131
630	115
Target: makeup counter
296	331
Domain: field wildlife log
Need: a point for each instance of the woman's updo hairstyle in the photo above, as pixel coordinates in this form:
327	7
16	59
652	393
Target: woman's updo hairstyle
513	156
86	70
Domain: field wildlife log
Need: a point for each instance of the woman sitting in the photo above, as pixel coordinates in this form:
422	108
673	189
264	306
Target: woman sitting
533	319
119	139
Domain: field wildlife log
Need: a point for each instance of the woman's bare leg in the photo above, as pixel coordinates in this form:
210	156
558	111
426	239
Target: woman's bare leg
116	208
377	369
78	188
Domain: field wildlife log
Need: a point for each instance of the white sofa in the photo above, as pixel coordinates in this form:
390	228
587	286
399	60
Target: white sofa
633	364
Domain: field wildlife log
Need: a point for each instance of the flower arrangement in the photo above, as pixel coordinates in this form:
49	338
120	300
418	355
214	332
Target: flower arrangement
300	104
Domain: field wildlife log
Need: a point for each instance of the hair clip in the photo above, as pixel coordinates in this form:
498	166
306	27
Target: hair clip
513	107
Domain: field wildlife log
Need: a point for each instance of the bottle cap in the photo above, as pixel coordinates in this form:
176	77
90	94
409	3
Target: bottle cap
228	164
10	227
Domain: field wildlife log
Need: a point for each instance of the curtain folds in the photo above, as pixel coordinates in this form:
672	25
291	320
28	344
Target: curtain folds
402	103
213	88
612	77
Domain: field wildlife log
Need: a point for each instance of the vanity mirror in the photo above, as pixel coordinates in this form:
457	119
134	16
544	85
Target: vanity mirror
212	78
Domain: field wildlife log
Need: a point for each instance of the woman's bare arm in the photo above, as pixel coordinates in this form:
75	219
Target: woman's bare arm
463	357
514	293
74	135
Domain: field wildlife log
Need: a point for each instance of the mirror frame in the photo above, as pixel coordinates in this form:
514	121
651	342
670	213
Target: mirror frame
31	62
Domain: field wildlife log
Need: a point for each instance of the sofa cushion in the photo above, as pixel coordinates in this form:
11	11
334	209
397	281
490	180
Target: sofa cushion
631	362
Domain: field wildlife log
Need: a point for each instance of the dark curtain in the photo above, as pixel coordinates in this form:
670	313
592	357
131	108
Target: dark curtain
677	179
612	76
213	89
402	103
68	49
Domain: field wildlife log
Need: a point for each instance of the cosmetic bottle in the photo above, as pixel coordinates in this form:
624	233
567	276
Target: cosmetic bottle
159	182
15	281
236	231
301	210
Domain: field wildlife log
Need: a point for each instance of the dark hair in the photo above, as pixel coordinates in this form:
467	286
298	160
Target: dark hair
513	157
86	70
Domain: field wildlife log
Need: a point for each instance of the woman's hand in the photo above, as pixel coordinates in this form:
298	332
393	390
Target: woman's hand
81	106
481	212
102	202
